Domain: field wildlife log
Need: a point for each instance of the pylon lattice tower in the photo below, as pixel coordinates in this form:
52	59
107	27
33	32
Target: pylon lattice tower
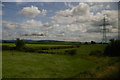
104	40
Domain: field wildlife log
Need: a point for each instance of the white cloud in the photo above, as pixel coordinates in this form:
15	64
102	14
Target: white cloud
81	20
27	24
63	20
74	15
32	24
81	10
76	27
12	30
111	17
9	25
43	12
32	12
68	4
76	24
65	13
27	27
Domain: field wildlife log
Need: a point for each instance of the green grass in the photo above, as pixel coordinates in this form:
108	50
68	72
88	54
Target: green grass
84	50
35	65
8	44
48	45
18	64
0	64
59	50
34	45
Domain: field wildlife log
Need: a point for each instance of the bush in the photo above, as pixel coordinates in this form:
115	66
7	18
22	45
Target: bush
113	48
93	42
19	44
86	43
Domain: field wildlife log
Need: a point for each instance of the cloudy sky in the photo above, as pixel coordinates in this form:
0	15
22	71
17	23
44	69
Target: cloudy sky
68	21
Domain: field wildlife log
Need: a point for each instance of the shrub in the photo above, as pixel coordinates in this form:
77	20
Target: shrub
93	42
19	44
86	43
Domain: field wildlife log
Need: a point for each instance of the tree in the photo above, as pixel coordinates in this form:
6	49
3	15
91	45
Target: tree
93	42
113	48
19	44
86	43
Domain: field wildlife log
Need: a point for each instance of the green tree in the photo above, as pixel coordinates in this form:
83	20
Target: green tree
19	44
113	48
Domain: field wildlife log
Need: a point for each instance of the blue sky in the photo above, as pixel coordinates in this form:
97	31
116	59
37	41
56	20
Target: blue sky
13	8
69	21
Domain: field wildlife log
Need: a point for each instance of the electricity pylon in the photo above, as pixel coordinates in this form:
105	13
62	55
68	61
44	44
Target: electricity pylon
104	39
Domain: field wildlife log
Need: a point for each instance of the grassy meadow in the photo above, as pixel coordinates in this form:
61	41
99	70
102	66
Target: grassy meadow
46	61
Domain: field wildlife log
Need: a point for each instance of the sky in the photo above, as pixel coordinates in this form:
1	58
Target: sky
60	0
66	21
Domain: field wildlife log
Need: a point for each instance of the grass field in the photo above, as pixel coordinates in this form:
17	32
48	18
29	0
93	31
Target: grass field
19	64
36	45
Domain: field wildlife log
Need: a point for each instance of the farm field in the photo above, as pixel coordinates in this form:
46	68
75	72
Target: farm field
44	64
34	45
